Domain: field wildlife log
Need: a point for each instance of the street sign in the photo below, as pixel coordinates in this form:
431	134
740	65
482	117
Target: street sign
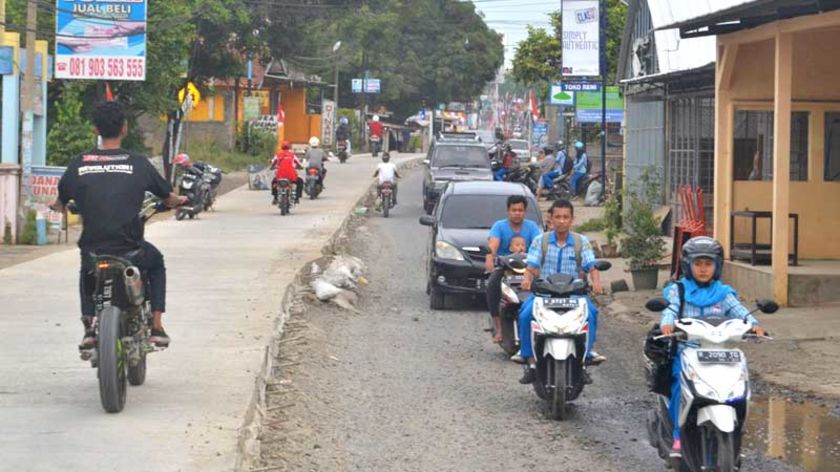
356	85
100	40
7	63
558	96
373	86
195	95
581	86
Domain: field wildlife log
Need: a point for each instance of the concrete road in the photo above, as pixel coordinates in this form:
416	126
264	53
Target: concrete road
227	273
401	387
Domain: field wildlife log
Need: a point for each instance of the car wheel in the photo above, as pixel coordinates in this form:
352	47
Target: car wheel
437	299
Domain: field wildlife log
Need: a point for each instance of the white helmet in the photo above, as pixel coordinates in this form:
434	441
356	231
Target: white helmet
314	142
375	117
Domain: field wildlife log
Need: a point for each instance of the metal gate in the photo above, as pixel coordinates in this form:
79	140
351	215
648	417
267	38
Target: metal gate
691	149
645	138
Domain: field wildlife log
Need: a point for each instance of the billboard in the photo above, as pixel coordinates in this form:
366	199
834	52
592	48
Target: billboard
581	38
100	39
588	107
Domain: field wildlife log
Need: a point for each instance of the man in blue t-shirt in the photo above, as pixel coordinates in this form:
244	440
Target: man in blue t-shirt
499	242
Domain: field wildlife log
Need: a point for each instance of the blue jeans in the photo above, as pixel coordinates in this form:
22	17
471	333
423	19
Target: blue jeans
500	174
548	179
575	179
526	314
674	404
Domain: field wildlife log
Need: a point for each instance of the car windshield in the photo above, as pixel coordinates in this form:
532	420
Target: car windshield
519	144
487	137
461	156
479	211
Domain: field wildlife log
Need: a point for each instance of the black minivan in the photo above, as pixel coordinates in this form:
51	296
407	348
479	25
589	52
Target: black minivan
460	224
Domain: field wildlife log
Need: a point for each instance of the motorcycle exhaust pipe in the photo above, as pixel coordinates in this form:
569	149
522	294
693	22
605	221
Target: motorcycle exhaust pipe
134	285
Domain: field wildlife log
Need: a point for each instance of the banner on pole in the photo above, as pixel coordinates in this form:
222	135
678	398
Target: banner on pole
100	39
588	107
327	123
581	38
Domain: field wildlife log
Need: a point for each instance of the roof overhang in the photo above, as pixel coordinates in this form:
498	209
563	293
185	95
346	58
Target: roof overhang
749	15
667	77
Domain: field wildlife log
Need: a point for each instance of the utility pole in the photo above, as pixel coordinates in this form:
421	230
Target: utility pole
28	106
603	50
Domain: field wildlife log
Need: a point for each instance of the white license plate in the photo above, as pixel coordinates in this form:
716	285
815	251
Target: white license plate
566	303
719	357
515	279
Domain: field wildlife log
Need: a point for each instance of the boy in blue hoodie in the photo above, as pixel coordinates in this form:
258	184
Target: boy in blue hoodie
705	295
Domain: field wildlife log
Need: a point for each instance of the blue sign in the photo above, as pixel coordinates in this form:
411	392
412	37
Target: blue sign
7	63
594	116
373	86
356	85
100	39
581	86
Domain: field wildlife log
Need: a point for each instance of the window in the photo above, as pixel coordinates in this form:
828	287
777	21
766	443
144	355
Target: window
754	145
832	147
479	211
461	156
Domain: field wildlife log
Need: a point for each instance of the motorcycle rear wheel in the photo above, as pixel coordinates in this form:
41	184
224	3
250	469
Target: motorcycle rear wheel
386	205
111	364
284	205
137	373
556	401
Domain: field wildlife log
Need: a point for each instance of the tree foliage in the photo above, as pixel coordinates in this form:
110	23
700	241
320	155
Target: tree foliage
71	133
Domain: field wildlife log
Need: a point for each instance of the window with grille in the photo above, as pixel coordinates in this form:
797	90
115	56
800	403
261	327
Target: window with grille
753	150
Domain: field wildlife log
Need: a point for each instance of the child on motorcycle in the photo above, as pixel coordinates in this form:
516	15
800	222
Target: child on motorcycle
518	245
697	294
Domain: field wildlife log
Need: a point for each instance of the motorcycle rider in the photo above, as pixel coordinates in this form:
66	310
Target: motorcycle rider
498	242
581	165
108	186
377	129
574	256
315	158
387	172
342	133
703	294
507	161
287	164
562	166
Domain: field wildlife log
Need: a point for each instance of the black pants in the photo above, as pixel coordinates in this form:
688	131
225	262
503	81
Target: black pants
494	291
298	188
150	263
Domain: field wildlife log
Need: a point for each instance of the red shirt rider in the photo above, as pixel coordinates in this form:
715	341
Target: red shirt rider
376	128
286	163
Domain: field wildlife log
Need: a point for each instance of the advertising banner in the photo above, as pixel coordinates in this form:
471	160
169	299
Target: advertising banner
581	39
558	96
43	182
100	39
328	123
539	135
588	106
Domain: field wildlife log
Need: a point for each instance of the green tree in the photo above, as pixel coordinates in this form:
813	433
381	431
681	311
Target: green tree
71	133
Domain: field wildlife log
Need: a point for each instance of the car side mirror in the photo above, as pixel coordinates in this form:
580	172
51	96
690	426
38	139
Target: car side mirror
427	220
426	161
602	265
767	306
657	304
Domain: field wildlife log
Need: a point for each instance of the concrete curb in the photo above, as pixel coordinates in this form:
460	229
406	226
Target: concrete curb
248	448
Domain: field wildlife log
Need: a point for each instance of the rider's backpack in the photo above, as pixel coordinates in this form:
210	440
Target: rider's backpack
578	249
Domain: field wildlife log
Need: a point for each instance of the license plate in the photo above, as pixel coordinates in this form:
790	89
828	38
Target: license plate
567	303
721	357
515	279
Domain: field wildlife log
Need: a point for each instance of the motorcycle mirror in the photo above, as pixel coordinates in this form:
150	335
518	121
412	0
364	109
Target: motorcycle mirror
767	306
657	304
578	285
603	265
427	220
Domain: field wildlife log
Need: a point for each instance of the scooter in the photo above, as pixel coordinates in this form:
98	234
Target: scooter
212	176
715	389
341	149
312	185
512	298
283	199
196	189
561	329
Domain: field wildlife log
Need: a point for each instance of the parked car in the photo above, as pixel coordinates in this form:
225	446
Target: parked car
460	225
521	148
453	160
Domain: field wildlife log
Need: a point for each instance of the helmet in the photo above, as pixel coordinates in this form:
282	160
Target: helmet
548	149
343	120
701	246
314	142
182	160
375	117
286	145
560	145
578	145
386	157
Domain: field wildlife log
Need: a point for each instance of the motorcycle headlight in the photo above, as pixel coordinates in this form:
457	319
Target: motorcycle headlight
509	293
444	250
560	323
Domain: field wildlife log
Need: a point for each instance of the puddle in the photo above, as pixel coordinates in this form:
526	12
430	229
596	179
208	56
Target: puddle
804	435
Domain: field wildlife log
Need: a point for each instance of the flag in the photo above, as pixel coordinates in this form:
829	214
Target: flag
109	97
535	111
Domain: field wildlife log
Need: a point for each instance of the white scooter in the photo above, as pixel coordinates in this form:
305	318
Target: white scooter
715	390
560	330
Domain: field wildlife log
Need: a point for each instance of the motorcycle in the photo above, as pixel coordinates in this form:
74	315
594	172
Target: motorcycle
312	185
386	193
341	149
715	389
512	298
283	200
561	329
122	322
196	189
375	145
524	174
212	176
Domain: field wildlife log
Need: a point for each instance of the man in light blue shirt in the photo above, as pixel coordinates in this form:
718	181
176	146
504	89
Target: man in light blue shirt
581	166
561	257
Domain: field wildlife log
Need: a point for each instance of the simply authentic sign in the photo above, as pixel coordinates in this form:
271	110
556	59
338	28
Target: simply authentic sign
581	38
99	39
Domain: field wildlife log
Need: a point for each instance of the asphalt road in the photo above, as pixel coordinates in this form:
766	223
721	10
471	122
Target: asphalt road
400	387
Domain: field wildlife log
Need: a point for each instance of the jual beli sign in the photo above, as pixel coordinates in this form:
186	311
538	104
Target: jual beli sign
581	38
98	39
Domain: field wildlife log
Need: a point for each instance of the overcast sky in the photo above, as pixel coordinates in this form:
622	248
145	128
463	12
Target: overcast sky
511	17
